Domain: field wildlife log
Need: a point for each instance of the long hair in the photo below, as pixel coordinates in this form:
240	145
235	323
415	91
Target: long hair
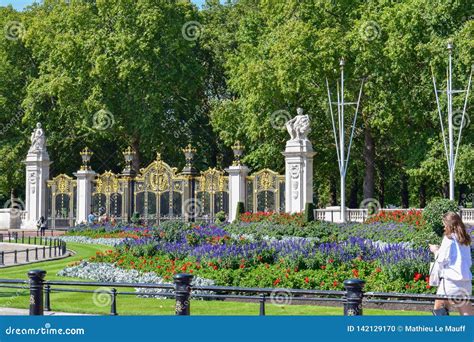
454	224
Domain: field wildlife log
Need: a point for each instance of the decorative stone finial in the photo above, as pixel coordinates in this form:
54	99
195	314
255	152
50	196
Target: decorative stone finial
189	152
86	156
238	150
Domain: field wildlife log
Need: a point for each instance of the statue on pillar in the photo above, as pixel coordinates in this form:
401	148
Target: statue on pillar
38	139
298	127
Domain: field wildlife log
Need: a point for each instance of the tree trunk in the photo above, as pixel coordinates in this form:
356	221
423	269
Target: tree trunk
382	186
333	186
462	200
422	194
353	200
404	194
369	158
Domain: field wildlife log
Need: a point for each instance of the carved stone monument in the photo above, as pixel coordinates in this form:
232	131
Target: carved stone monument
298	164
37	173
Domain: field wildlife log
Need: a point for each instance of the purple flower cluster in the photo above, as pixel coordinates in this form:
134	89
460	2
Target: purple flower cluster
292	248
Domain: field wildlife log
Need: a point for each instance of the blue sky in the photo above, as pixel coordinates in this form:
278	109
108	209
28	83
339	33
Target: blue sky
20	4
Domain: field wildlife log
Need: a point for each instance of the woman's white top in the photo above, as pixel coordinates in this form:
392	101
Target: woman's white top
454	260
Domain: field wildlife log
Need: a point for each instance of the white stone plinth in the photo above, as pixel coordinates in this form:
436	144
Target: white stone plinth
237	187
298	175
37	174
84	194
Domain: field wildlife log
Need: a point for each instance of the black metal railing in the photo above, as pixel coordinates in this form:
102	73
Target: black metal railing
353	298
42	247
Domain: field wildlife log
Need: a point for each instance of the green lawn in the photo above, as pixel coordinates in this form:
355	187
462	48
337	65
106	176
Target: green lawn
131	305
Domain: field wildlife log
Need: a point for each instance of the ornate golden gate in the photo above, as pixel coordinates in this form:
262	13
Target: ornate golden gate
159	192
212	195
107	196
61	201
265	192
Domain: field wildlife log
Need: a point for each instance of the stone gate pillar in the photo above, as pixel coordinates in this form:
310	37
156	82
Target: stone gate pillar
37	174
84	176
298	164
237	185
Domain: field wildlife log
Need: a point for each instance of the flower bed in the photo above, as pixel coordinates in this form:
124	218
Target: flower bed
108	272
237	260
412	217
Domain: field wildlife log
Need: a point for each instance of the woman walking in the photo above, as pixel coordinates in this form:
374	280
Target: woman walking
453	264
43	226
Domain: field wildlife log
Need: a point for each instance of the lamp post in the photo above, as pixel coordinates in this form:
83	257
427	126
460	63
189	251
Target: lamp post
450	150
190	173
338	127
129	175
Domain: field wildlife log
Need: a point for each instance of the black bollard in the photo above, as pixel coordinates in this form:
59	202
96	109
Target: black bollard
27	255
182	282
2	258
113	304
47	301
353	297
36	292
262	305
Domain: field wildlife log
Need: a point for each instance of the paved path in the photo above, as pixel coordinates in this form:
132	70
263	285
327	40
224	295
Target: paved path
24	312
30	232
43	254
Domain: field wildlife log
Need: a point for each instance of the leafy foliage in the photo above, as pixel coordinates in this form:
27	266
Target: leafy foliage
435	211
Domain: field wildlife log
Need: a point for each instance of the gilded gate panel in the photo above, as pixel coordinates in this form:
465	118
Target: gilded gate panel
212	194
265	191
159	192
61	201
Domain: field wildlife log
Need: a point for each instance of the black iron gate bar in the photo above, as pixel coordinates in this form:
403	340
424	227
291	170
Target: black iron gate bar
352	298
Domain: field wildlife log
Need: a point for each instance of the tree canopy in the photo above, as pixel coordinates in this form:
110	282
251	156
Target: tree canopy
157	75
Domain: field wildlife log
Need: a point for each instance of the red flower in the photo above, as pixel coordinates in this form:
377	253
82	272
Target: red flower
428	286
242	266
417	276
306	280
331	261
378	270
276	282
215	268
323	267
355	273
335	283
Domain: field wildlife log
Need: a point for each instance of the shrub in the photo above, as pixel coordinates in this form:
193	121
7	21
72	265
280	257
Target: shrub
434	212
240	210
220	217
309	212
135	218
296	219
